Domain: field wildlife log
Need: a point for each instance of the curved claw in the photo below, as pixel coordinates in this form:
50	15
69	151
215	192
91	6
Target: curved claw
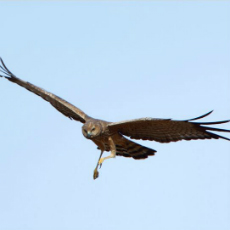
95	174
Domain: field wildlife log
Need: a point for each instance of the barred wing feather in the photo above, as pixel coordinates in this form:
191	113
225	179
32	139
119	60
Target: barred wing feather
167	130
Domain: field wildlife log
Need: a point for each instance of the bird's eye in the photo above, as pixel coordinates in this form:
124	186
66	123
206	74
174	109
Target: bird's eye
85	130
93	128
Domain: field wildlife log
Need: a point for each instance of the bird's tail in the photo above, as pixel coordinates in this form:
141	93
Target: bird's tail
127	148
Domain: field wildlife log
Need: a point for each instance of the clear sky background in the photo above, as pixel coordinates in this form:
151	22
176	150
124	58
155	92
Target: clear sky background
115	61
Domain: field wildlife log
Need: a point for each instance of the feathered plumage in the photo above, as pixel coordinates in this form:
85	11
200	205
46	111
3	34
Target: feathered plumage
109	136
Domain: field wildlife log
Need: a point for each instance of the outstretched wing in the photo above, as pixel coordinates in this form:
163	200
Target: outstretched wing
167	130
58	103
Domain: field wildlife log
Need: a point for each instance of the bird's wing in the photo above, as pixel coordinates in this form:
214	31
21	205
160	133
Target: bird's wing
167	130
58	103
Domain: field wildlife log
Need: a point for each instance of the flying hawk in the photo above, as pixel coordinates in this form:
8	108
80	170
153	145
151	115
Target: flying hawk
110	136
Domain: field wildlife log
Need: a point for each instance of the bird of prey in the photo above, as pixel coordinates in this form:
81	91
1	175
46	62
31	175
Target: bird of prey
110	136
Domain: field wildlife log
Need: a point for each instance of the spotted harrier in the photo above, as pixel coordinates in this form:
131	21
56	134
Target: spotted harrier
110	136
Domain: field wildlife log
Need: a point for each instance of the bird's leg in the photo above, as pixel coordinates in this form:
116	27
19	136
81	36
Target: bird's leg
112	149
96	173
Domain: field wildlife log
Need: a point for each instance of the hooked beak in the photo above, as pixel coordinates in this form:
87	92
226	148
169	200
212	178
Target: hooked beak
89	135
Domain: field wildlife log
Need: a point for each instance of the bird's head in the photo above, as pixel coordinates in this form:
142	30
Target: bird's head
91	129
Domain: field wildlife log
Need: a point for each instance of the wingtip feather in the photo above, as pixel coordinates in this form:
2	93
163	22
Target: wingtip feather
202	116
5	70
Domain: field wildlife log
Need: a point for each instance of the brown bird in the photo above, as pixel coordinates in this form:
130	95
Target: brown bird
109	136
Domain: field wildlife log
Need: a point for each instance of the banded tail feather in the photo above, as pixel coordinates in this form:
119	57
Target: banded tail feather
127	148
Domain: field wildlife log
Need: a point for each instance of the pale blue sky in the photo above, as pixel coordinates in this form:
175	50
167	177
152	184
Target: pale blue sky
115	61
